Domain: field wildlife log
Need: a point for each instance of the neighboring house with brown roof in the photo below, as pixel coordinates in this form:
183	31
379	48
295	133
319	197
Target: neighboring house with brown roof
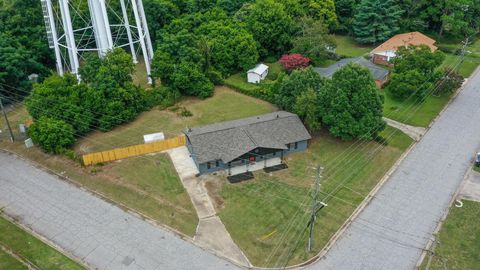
388	50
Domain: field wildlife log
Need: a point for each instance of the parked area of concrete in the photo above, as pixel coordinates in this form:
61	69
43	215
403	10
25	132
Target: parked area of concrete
99	233
394	229
211	233
415	133
471	187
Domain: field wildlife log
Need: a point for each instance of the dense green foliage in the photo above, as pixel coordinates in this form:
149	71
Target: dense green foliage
54	136
352	107
313	40
105	98
270	25
376	20
348	104
23	46
414	73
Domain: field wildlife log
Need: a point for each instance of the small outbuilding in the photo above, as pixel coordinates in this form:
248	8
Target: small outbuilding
384	53
248	144
257	74
379	74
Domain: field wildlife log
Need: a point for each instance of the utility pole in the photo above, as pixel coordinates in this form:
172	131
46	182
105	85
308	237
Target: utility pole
6	119
316	206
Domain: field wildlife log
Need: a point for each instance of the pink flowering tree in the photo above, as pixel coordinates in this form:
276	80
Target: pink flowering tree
294	61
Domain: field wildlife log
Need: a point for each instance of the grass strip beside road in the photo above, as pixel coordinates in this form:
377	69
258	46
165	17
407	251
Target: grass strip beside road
24	245
458	246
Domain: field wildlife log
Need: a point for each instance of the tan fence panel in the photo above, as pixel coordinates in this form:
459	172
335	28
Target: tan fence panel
133	151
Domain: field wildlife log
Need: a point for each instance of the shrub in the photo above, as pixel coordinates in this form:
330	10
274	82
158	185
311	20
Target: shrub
53	136
294	61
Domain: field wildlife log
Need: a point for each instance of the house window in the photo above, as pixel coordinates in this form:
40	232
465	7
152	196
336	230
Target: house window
288	146
217	163
296	145
209	166
274	153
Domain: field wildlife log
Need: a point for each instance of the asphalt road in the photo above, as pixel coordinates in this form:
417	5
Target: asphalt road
102	235
392	230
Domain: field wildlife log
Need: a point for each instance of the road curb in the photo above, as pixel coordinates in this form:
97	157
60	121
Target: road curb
46	241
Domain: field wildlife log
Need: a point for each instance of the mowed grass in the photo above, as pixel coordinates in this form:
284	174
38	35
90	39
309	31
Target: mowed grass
267	216
225	105
348	47
458	247
471	61
413	113
9	262
28	247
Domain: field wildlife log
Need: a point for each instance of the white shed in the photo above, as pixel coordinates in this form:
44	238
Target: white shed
257	74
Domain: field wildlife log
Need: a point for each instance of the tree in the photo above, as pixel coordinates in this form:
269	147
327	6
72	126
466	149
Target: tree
294	61
450	82
270	25
306	107
313	41
295	84
16	63
52	135
159	13
351	106
61	98
323	10
345	10
419	58
456	18
408	84
190	80
376	20
226	47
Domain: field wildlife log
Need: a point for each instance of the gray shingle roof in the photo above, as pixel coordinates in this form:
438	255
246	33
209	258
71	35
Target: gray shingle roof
378	73
228	140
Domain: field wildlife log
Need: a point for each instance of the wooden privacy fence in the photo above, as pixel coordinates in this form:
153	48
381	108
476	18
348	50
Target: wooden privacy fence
133	151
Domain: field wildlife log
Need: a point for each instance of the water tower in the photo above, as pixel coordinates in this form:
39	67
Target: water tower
75	27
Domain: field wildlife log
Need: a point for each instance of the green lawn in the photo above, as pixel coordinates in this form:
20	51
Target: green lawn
9	262
459	240
258	213
27	246
472	59
347	46
415	114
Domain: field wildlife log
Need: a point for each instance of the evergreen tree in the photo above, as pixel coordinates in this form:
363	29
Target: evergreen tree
376	20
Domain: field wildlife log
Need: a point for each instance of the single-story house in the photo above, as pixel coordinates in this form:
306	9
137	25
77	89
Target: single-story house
387	51
247	144
257	74
379	74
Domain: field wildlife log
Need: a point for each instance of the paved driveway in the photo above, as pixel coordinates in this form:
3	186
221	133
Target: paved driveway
392	231
102	235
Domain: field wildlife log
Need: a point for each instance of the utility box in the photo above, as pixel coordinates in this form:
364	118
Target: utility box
154	137
28	143
22	128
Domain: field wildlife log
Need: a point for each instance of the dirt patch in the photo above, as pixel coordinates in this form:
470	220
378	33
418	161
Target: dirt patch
214	186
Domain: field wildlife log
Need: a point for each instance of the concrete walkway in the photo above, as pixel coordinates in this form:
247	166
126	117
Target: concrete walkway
471	187
415	133
394	229
211	233
86	227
